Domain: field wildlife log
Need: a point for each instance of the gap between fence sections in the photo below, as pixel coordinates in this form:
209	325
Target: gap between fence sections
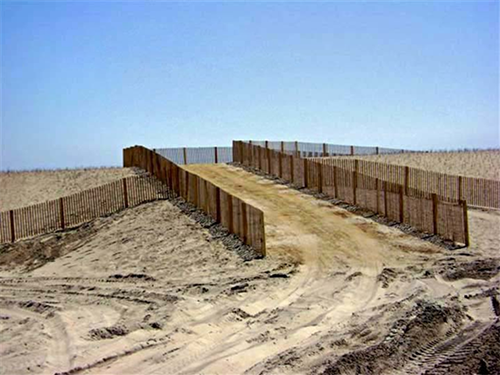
76	209
237	216
398	202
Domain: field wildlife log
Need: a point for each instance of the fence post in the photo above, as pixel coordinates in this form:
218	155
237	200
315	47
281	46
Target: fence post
282	146
401	203
354	181
184	152
217	157
125	193
297	149
61	212
435	213
377	196
260	157
376	150
305	173
352	150
12	229
466	223
291	168
336	195
267	144
325	150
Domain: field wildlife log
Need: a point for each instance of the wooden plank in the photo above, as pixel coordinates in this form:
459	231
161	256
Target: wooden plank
217	205
269	164
466	222
12	229
320	177
291	169
401	203
244	222
125	192
386	214
230	225
61	213
435	213
305	173
335	186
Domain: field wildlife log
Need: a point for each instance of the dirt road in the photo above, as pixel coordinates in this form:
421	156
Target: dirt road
149	292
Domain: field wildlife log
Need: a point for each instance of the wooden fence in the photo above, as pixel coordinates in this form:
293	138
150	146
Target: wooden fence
197	155
308	149
398	202
236	215
477	192
76	209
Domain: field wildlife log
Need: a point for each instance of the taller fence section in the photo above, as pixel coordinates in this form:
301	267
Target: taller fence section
237	216
76	209
307	149
477	192
197	155
346	182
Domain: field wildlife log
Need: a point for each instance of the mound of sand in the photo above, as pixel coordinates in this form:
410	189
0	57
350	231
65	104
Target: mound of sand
20	189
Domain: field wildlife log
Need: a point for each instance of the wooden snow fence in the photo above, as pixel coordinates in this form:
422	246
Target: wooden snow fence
237	216
75	209
398	202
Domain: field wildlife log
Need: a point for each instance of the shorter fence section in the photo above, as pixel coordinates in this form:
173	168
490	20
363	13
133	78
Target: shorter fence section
197	155
236	215
308	149
397	202
79	208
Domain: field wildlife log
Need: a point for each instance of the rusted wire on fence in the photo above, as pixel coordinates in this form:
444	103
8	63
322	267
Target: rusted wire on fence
346	181
237	216
76	209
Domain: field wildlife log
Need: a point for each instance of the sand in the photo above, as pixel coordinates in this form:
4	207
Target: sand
20	189
150	291
478	164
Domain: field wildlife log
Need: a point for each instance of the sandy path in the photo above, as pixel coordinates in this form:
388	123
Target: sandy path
332	284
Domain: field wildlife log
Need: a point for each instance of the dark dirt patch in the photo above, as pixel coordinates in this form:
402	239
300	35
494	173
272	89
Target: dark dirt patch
417	330
108	332
480	356
137	276
387	276
352	276
483	269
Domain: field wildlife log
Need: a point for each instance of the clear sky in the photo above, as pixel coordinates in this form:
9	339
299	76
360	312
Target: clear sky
80	81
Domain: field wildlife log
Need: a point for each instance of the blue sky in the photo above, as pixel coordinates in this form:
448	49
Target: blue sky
80	81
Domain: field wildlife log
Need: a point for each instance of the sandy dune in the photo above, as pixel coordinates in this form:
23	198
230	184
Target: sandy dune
479	164
149	291
20	189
